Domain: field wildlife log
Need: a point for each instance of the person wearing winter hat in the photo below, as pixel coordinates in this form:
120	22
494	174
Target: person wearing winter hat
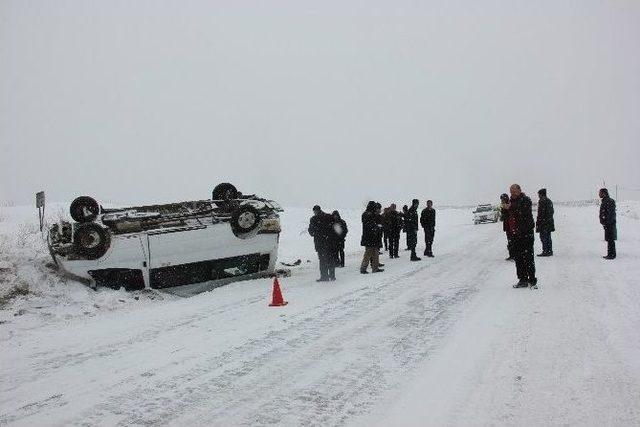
608	221
371	239
321	229
544	222
504	216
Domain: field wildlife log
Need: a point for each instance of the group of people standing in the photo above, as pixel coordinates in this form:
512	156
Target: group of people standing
329	232
517	218
383	227
380	228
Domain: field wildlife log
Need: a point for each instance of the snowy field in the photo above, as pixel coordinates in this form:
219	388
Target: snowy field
445	341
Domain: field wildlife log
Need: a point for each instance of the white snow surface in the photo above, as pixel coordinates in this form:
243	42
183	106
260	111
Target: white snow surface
444	341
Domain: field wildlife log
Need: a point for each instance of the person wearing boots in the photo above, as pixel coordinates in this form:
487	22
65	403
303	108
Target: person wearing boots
380	222
371	237
504	215
608	221
411	228
340	229
544	222
385	228
521	227
428	222
405	212
395	225
321	229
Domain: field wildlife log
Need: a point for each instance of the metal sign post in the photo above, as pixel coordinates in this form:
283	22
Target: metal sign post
40	205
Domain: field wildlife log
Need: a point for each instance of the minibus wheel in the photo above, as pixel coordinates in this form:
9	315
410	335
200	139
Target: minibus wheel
224	191
91	240
84	209
245	220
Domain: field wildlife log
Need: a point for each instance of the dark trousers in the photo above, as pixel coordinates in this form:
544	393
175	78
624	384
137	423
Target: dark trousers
412	241
610	235
394	242
327	260
340	254
547	244
385	239
512	253
429	232
525	264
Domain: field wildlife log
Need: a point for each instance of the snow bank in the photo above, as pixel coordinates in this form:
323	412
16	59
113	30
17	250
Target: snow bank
32	292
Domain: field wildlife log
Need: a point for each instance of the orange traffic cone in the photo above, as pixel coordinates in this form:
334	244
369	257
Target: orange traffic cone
276	299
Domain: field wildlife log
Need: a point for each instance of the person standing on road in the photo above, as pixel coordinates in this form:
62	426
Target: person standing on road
544	222
411	228
608	221
321	228
521	227
385	228
405	212
340	229
504	216
428	222
395	225
371	232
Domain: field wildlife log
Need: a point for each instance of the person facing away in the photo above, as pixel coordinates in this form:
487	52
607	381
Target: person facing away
544	222
340	229
504	216
380	221
385	228
608	221
371	235
321	228
394	224
411	228
428	223
521	227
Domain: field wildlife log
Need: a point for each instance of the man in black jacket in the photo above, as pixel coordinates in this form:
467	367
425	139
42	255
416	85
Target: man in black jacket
371	239
411	228
608	221
544	222
394	224
521	226
428	222
340	230
321	228
405	212
504	216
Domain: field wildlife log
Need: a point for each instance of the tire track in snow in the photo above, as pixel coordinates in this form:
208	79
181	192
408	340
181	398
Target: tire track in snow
247	373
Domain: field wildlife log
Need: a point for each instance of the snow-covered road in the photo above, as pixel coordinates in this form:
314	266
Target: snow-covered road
442	341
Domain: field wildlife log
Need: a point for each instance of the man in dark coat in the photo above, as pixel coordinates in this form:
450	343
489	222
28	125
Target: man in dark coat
428	222
504	216
371	237
411	228
385	228
521	227
544	222
380	221
340	230
405	212
321	228
608	221
394	224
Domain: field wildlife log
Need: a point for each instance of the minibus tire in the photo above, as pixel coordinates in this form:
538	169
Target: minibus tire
84	209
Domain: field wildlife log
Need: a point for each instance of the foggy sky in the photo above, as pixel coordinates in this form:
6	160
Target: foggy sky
330	102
